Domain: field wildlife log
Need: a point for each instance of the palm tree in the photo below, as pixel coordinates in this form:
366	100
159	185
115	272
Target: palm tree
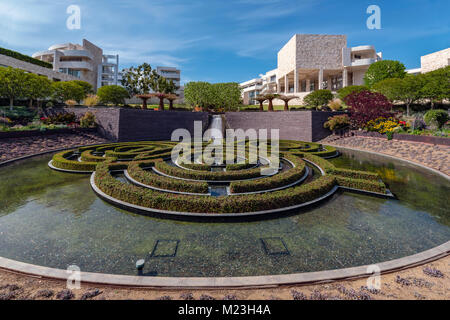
271	97
261	99
286	100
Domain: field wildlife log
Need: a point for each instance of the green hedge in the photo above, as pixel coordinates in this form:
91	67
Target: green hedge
89	157
277	181
22	57
239	166
208	175
346	173
151	179
60	161
367	185
136	152
201	204
322	163
328	152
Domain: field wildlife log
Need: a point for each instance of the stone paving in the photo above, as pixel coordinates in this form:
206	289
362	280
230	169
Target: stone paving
433	156
19	147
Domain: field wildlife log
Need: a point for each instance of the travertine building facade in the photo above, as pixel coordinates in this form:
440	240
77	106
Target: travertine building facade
6	61
310	62
85	62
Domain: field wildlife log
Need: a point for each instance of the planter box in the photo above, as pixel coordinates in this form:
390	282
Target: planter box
33	133
407	137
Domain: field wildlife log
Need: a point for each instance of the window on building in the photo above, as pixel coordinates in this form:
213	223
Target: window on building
273	78
72	72
303	86
77	59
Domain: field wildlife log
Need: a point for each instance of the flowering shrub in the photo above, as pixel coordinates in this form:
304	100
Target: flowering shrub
62	118
335	104
88	120
337	122
70	103
436	118
386	125
91	100
366	106
5	121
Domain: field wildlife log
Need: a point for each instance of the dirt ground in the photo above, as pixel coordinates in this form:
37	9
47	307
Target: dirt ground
409	284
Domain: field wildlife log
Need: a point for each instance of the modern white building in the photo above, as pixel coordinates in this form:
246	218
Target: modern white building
85	62
310	62
432	61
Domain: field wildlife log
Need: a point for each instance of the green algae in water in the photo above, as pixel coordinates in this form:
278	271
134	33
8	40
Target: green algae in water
54	219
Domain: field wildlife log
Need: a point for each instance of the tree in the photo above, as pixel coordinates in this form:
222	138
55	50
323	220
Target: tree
138	82
366	106
345	91
261	100
436	86
12	84
319	98
171	97
218	96
271	97
37	87
384	69
391	88
87	87
162	87
410	92
198	94
112	94
69	90
225	96
286	100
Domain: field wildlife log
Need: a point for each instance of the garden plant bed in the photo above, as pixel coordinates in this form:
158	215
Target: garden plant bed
165	190
406	137
33	133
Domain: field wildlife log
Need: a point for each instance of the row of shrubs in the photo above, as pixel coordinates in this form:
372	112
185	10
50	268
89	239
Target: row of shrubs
60	160
367	181
362	184
200	204
148	178
19	56
148	151
208	175
285	178
89	160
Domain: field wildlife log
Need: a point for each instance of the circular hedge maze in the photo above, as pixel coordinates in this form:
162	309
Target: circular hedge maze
196	186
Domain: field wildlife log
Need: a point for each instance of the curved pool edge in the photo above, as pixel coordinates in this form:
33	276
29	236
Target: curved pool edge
230	282
390	266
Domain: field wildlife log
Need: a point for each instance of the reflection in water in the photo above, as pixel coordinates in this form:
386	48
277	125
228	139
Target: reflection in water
54	219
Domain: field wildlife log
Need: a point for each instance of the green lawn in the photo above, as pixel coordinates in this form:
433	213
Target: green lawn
266	107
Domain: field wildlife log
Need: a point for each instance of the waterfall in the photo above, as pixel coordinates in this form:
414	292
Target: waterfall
217	134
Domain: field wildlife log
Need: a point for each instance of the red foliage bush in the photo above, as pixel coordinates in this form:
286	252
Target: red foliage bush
366	106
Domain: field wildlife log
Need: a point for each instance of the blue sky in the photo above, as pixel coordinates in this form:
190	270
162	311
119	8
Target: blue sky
231	40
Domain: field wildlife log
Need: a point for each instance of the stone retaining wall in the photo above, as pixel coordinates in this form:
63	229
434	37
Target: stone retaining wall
119	124
293	125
